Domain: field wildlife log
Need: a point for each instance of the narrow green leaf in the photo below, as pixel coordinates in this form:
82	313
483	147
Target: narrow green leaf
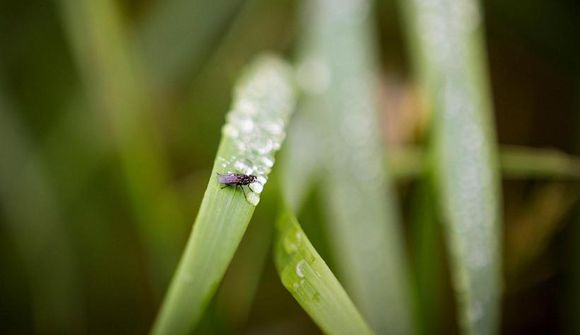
169	28
33	218
256	126
515	163
519	162
429	262
176	35
114	81
446	40
338	74
305	274
301	157
240	284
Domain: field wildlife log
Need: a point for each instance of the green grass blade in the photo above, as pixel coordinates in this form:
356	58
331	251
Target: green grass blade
113	80
340	76
177	34
240	284
255	129
428	260
515	163
305	274
519	162
446	40
34	221
301	158
160	24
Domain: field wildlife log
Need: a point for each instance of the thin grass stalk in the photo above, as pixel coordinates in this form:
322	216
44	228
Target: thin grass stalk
173	22
240	284
113	79
176	36
515	163
429	263
34	221
447	45
305	274
340	67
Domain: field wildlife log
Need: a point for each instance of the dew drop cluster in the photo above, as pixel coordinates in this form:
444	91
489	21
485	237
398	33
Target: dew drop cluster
256	123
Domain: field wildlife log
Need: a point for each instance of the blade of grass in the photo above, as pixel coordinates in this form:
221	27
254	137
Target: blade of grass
35	222
531	232
255	129
305	274
160	23
519	162
446	40
340	59
240	284
113	79
428	260
301	158
176	35
515	163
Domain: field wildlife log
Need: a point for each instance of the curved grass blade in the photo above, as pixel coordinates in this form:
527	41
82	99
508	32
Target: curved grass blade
188	49
254	132
446	37
305	274
34	219
113	80
340	64
177	34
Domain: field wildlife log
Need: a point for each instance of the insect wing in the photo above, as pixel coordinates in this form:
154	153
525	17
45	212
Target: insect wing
228	179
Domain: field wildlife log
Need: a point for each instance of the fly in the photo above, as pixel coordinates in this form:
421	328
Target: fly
237	180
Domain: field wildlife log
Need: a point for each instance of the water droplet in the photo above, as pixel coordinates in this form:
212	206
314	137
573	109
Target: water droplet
289	246
246	125
253	198
274	128
246	107
300	268
256	187
230	131
267	161
262	146
262	170
262	180
241	166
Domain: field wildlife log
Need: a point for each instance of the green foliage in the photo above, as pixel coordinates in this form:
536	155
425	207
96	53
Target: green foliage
305	274
449	57
338	78
263	103
111	110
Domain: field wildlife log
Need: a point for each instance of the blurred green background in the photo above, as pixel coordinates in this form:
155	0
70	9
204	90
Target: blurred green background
110	117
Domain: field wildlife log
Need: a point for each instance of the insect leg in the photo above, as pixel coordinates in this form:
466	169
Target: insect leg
243	190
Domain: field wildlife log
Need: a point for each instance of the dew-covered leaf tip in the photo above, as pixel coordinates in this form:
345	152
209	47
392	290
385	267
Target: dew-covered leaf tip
263	102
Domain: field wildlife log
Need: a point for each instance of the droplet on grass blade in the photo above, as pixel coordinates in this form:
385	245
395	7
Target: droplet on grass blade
300	268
